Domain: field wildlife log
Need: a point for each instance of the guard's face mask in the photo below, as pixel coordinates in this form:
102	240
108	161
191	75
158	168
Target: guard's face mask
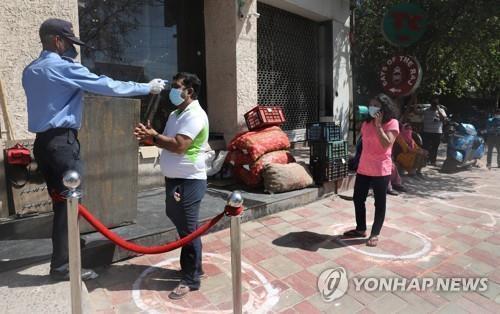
70	52
176	96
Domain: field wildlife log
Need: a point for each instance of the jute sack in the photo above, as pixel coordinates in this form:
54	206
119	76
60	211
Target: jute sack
251	174
257	143
282	178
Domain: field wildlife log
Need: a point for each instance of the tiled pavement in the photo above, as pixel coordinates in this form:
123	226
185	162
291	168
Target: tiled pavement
445	226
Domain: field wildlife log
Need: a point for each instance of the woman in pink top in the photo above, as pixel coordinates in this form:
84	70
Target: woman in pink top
378	134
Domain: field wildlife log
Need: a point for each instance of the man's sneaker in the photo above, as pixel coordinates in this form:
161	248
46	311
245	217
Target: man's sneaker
62	273
180	292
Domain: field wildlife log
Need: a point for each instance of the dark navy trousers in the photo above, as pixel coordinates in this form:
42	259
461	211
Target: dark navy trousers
56	151
182	202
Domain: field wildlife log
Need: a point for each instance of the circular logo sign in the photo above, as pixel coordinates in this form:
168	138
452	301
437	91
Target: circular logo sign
404	24
400	75
333	283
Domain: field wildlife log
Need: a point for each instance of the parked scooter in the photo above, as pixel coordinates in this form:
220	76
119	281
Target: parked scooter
465	147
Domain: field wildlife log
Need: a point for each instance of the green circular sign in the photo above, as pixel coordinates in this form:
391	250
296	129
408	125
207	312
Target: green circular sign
404	24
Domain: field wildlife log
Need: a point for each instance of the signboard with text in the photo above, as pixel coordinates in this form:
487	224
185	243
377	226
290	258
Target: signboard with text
404	24
400	75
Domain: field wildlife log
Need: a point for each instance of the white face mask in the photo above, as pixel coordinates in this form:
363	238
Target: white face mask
176	96
372	110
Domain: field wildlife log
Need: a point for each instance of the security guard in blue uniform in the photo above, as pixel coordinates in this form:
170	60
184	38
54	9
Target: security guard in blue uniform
54	85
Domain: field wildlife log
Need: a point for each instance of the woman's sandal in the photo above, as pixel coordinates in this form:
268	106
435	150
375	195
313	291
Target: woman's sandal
372	241
354	234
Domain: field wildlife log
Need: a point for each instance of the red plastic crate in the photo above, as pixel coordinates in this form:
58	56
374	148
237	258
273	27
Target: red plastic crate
264	116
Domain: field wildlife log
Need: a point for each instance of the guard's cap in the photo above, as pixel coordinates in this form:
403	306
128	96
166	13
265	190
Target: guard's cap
60	27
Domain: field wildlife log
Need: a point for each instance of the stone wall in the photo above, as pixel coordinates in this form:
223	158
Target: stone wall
317	10
231	52
342	75
19	45
246	61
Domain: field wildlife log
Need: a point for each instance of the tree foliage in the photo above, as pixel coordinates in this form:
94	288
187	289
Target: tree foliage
104	24
459	53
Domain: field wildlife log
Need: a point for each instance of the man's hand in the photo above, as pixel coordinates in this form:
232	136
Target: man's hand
143	133
157	85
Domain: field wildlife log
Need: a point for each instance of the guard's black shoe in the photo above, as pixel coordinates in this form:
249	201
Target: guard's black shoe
62	273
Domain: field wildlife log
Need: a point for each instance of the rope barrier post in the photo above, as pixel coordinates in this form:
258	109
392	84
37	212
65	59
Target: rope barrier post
71	181
236	200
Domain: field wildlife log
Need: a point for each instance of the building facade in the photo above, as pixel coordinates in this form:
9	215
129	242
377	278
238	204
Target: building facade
291	53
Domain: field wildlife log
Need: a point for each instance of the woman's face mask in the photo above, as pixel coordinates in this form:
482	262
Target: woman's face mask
176	96
373	110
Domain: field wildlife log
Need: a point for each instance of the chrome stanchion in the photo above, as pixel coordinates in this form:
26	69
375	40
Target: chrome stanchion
236	200
71	180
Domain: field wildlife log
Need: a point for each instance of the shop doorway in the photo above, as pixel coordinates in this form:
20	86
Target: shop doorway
138	40
288	65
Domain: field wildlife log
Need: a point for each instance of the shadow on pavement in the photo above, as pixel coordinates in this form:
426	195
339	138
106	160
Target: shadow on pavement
122	278
432	183
311	241
28	276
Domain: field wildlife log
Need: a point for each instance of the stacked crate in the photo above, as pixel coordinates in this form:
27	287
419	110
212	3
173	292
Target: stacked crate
328	152
264	116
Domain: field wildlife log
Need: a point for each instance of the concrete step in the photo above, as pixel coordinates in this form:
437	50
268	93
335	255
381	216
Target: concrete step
27	241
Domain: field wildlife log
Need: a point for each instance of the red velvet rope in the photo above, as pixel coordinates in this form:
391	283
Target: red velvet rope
233	211
228	210
143	249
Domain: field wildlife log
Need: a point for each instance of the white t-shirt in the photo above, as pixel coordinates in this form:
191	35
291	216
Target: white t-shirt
432	121
192	122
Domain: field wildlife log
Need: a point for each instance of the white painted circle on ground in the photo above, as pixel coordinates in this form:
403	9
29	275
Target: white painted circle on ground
256	303
426	245
441	198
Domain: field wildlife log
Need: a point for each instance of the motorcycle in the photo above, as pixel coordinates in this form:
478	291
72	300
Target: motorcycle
464	149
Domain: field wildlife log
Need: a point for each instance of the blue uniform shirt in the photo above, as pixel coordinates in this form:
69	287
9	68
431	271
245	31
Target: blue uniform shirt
54	89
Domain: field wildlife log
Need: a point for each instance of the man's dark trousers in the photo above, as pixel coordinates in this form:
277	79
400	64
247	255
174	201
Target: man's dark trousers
493	141
431	144
184	210
56	151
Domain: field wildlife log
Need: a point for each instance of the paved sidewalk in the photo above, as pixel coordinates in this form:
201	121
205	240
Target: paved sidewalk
30	290
445	226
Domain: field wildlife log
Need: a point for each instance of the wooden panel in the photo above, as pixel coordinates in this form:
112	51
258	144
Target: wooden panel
110	154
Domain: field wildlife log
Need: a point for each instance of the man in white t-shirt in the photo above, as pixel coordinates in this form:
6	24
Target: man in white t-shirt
182	162
434	116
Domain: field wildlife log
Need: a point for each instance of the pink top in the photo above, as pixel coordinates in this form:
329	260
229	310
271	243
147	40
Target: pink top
376	160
